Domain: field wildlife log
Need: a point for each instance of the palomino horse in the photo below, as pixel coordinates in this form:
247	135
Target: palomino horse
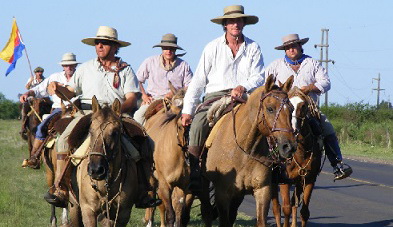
32	112
107	177
172	170
305	165
239	160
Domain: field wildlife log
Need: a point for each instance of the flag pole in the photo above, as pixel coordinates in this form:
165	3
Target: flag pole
27	56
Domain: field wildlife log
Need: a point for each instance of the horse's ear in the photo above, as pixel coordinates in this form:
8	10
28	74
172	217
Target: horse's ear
79	132
288	84
95	106
116	107
269	83
173	89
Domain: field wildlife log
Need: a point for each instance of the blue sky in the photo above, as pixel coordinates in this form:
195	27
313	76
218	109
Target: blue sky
360	35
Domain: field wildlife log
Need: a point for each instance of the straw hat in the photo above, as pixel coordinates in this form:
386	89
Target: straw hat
291	39
105	33
68	59
168	40
235	11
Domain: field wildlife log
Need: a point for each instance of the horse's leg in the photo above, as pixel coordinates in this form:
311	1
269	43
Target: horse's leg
286	203
262	198
295	202
161	208
187	209
89	217
53	219
165	194
276	205
236	201
149	217
178	203
75	216
206	207
305	212
223	201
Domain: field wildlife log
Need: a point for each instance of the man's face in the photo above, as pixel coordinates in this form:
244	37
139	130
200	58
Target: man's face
294	51
235	26
105	48
168	53
38	74
69	69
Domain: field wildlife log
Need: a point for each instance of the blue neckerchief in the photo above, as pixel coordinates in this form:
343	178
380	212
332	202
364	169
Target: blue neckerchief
296	62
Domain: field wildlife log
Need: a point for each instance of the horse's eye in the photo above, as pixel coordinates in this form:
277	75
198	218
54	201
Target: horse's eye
270	110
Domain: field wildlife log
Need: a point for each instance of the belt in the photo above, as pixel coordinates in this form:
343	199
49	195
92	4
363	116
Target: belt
86	106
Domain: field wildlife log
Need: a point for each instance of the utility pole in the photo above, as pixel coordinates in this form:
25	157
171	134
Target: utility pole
327	60
378	89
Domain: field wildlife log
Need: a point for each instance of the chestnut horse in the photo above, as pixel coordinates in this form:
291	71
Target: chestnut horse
305	165
32	112
171	168
106	177
239	159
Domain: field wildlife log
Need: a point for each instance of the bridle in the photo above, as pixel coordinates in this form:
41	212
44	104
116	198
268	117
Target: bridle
273	154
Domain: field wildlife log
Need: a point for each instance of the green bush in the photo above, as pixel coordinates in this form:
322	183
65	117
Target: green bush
8	108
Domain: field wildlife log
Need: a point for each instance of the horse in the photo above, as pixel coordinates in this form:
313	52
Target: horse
32	112
171	168
305	165
247	141
56	126
106	178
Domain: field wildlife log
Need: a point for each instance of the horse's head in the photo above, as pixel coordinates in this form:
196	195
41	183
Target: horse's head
274	116
299	102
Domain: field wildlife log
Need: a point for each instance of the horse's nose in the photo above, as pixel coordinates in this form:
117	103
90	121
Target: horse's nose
286	149
97	171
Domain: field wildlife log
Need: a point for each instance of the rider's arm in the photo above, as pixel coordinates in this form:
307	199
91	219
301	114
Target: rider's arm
130	103
60	90
23	98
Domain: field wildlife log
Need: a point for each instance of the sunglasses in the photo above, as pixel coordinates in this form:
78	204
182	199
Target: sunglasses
103	42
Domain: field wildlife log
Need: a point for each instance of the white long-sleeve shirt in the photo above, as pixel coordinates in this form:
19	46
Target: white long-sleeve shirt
41	91
310	72
218	70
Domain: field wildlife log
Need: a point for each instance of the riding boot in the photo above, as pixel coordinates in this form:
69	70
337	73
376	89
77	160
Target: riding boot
58	193
145	199
333	152
195	168
34	160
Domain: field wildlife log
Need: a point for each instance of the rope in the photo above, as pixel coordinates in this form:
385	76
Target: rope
35	112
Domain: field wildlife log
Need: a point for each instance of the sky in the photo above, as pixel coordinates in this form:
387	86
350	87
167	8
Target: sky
360	35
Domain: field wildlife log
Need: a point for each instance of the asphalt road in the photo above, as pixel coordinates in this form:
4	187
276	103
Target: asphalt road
365	199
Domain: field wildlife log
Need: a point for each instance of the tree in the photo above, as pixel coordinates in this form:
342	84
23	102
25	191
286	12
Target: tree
8	108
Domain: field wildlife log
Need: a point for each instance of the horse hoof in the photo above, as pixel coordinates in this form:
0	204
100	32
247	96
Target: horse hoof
25	163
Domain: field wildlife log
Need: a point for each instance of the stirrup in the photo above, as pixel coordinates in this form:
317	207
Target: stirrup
55	198
342	172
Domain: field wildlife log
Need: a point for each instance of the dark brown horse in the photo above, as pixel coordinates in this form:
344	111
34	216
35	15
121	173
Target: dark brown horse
239	159
107	177
32	112
305	165
172	170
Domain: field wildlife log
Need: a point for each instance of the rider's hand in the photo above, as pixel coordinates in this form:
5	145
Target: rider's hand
23	98
52	87
169	95
186	119
310	88
146	99
238	91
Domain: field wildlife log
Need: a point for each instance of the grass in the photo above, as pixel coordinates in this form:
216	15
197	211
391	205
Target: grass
22	190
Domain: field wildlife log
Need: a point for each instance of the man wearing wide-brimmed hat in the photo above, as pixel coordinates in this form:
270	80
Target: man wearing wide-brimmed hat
313	80
231	64
36	79
107	77
158	70
69	63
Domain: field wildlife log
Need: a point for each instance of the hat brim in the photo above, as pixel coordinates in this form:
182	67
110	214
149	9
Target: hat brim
301	41
69	63
168	45
91	41
250	19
